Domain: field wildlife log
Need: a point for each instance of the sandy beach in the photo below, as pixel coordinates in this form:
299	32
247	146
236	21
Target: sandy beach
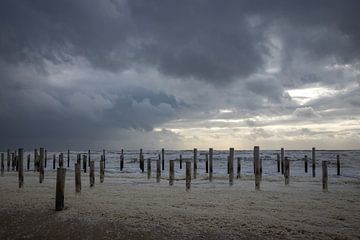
138	208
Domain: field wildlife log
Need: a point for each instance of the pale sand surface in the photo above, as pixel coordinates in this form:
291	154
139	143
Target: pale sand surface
137	208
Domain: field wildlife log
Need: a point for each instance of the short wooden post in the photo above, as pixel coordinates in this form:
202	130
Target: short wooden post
231	166
149	168
338	164
54	161
41	165
210	164
13	165
36	160
238	175
163	159
207	162
102	163
68	158
104	158
188	176
257	167
61	160
21	167
92	173
282	152
195	162
2	164
28	161
278	162
313	162
122	160
306	163
180	161
140	161
45	158
89	158
16	162
158	169
84	163
77	178
324	176
8	160
78	158
60	189
287	171
171	173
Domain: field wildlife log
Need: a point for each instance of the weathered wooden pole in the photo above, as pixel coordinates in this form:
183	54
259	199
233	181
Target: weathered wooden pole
45	158
163	159
102	163
210	164
84	163
207	162
36	160
180	161
2	164
41	165
338	164
313	162
60	189
158	169
28	161
104	158
78	158
92	173
68	158
278	162
89	158
149	168
231	166
287	170
282	152
61	160
13	162
142	163
195	162
54	161
21	167
324	176
306	163
171	173
238	175
140	160
8	160
188	175
17	162
122	160
77	178
257	167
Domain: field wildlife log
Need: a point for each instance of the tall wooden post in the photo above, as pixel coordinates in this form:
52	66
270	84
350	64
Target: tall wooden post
338	164
158	169
36	159
84	163
68	158
60	189
163	159
89	157
238	168
282	152
140	160
41	165
171	173
102	163
104	158
306	163
149	168
257	167
210	164
54	161
207	162
122	160
180	161
77	178
278	162
231	166
188	176
45	158
2	164
21	167
13	161
28	161
195	162
287	171
313	162
324	176
61	160
8	160
92	173
78	158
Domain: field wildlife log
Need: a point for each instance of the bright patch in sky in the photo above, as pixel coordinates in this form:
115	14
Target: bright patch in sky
303	95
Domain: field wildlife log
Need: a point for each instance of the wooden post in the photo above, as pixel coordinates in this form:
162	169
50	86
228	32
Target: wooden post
140	160
21	167
210	164
195	162
84	163
68	158
171	173
2	164
60	189
78	158
278	162
89	158
8	160
41	165
142	163
122	160
54	161
104	158
324	176
149	168
180	161
306	163
92	173
16	162
163	159
36	160
28	162
287	171
188	176
313	162
257	167
338	164
282	152
231	167
45	158
77	178
238	168
207	162
158	169
61	160
12	161
102	163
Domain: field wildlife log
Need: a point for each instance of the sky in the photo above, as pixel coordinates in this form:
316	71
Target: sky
146	74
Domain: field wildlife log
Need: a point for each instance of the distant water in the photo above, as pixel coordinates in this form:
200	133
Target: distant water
350	161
